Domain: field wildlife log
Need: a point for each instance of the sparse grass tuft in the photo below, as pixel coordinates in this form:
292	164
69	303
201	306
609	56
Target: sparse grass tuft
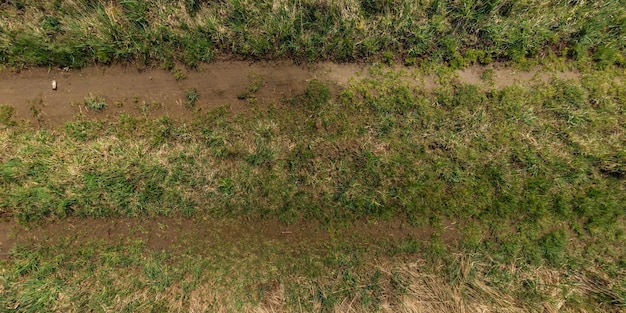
316	95
191	97
179	74
95	103
256	82
487	76
6	115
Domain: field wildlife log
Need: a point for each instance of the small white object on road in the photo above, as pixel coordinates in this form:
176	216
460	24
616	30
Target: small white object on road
54	85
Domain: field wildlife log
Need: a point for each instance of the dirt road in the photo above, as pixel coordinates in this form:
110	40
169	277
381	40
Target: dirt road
133	90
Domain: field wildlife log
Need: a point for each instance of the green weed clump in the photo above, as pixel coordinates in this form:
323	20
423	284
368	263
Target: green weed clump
6	115
191	97
93	102
256	82
179	74
316	95
459	33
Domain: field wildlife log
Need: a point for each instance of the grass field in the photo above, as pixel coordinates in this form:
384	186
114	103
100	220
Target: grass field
78	32
532	178
389	193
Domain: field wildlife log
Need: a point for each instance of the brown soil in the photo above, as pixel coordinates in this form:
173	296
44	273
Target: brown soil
503	76
155	92
7	240
174	233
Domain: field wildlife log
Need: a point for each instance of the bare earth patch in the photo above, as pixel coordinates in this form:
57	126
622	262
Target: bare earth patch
238	85
174	233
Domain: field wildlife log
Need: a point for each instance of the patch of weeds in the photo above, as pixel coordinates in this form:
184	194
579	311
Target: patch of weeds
511	101
95	103
168	63
252	99
242	95
569	102
410	61
405	246
37	114
605	56
569	94
472	236
193	6
388	57
37	101
191	97
468	96
51	25
83	130
126	126
136	12
264	154
157	274
162	131
145	107
436	247
256	82
179	74
487	76
6	115
316	95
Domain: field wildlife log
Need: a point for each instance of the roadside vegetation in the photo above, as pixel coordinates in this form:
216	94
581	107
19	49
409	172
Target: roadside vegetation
514	196
75	33
531	176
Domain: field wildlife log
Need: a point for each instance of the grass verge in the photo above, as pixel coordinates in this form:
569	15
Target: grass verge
533	177
76	33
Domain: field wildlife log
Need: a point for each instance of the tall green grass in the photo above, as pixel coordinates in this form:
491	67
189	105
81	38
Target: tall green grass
76	33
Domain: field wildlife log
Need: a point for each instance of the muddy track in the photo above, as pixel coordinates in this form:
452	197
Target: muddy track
156	92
